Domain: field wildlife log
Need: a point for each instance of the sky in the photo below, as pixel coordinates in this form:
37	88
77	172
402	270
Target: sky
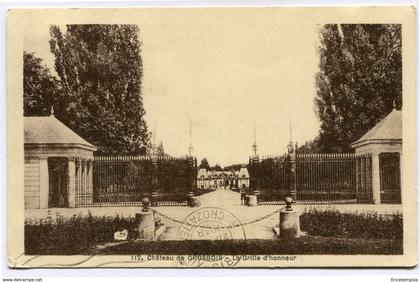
222	74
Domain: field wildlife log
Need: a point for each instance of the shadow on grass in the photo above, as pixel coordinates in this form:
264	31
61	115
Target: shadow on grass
310	245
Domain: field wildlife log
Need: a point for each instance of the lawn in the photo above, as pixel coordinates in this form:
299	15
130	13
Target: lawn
308	245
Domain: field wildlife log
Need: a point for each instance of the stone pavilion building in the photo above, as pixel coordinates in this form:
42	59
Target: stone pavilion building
384	143
58	165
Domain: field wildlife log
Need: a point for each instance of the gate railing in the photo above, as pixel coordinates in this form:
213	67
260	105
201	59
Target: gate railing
271	177
126	180
364	192
312	178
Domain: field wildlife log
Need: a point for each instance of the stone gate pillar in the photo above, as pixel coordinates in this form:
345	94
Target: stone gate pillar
89	190
155	179
292	180
254	183
192	163
81	189
72	182
376	184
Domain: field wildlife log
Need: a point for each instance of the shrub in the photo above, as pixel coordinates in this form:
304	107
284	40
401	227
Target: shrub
72	235
367	225
75	235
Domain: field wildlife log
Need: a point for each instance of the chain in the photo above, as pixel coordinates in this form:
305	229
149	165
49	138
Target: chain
221	227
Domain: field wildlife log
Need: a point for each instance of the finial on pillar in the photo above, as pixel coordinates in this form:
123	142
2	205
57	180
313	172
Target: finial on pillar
394	105
290	147
190	147
254	146
154	133
289	201
52	111
145	203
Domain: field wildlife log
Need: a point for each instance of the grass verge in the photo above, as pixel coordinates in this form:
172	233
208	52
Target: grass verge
308	245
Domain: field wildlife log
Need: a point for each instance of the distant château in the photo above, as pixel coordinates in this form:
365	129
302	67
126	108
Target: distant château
223	179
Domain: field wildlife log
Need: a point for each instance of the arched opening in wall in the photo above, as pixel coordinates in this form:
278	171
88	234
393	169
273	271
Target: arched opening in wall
390	178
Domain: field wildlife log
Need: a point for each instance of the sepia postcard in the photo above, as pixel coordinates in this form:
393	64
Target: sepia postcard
241	137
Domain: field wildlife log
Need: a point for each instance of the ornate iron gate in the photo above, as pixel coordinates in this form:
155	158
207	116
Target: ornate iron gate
126	180
312	178
326	178
364	179
271	177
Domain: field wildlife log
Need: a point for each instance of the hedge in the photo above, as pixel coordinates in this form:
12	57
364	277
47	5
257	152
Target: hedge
366	225
78	233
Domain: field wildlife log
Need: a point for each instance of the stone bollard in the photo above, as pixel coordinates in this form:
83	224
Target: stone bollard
289	221
257	193
252	200
190	196
145	221
194	201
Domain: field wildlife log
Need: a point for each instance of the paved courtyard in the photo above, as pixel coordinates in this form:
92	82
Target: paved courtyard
225	199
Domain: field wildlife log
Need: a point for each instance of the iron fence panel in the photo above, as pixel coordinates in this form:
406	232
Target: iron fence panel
126	180
312	178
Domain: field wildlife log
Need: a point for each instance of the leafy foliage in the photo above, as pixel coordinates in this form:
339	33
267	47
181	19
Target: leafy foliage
73	235
311	146
100	71
160	150
234	167
360	76
204	164
217	167
368	225
40	89
330	232
176	176
271	176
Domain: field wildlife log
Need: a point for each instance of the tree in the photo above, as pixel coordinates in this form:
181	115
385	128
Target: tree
359	79
204	164
40	88
234	167
217	167
160	150
309	147
100	71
